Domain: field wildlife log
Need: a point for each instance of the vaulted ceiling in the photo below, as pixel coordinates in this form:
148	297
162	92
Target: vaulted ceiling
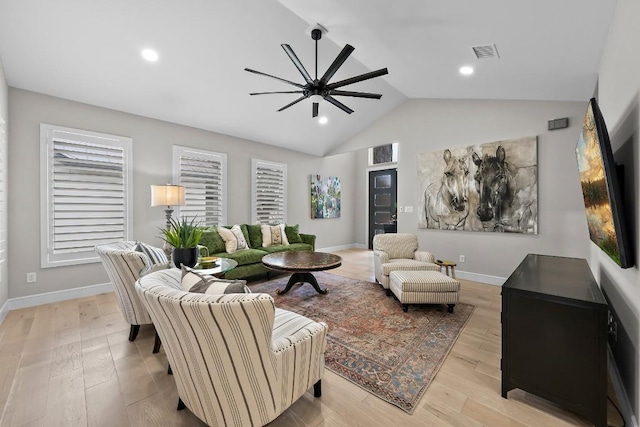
89	51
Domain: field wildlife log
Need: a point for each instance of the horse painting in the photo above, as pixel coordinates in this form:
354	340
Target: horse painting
446	205
489	187
506	194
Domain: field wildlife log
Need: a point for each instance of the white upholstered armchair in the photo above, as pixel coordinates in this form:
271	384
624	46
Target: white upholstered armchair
124	266
237	360
399	251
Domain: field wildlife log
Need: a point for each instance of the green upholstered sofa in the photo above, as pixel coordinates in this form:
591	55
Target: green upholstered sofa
250	260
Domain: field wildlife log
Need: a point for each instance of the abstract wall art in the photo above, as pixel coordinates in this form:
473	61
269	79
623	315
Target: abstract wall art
487	187
325	196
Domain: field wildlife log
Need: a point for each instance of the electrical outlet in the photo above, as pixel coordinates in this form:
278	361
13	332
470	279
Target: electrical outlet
613	330
409	209
31	277
400	209
462	258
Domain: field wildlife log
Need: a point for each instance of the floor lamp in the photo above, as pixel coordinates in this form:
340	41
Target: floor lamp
167	195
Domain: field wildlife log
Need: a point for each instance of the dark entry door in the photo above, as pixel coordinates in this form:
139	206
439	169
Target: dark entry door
383	190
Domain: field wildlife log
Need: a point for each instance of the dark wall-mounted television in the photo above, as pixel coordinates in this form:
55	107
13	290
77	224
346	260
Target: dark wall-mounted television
601	189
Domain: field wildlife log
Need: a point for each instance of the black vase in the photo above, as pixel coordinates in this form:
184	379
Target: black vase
186	256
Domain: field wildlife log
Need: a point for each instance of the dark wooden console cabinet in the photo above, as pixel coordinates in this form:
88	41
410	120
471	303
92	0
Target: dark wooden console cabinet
554	335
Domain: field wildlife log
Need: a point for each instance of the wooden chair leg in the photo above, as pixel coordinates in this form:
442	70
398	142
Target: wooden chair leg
169	371
157	343
133	332
317	389
181	405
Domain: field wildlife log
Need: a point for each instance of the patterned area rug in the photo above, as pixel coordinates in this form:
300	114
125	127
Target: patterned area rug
372	342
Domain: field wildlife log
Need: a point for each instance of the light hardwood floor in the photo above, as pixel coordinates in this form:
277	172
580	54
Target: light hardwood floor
70	364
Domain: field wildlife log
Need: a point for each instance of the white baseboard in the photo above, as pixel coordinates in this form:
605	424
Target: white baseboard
623	400
57	296
337	248
482	278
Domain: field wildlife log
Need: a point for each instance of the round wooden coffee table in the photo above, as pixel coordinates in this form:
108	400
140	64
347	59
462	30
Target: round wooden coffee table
301	264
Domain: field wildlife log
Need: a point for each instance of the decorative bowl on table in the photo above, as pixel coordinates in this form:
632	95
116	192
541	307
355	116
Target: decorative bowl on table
208	261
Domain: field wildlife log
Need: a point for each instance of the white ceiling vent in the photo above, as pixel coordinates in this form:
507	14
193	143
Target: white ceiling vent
486	52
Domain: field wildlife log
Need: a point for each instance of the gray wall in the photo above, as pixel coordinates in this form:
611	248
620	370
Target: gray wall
4	109
427	125
152	151
619	99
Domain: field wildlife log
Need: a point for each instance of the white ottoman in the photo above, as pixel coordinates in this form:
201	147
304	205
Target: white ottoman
404	265
424	287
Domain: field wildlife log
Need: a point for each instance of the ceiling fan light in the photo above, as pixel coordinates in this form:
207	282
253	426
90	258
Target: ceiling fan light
323	120
316	98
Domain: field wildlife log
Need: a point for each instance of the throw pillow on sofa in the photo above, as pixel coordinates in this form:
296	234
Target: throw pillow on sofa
192	281
273	235
233	238
212	240
155	255
293	235
255	236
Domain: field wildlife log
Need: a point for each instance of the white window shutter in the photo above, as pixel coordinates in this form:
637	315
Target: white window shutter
85	193
269	192
204	175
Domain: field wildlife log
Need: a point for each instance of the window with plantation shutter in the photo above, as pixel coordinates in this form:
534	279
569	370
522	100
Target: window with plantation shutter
269	192
204	176
85	193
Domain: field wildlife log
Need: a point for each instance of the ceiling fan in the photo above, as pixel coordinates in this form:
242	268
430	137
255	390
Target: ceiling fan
318	89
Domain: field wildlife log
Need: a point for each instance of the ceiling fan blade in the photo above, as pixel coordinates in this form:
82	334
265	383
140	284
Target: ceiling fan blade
338	104
356	79
267	93
314	111
274	77
356	94
292	103
297	63
337	63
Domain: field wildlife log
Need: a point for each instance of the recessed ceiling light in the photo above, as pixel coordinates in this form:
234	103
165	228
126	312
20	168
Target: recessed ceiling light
323	120
150	55
466	71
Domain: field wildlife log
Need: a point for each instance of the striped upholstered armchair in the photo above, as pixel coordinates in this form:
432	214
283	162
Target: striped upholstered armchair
237	360
124	266
399	251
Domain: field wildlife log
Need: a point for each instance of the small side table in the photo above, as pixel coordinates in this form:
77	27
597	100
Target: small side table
447	265
220	267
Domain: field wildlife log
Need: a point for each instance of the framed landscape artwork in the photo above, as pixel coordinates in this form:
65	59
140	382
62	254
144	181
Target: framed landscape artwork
489	187
601	189
325	196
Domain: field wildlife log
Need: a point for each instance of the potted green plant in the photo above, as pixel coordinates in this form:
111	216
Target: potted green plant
183	235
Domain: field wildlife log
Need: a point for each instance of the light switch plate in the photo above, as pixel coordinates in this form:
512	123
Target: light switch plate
400	209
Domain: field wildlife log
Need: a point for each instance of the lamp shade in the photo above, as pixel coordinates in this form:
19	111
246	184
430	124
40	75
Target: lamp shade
167	195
